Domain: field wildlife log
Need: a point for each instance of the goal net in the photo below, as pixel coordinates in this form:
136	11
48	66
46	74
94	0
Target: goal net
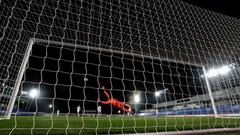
95	67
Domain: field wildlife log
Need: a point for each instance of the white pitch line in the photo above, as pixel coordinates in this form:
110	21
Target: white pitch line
192	132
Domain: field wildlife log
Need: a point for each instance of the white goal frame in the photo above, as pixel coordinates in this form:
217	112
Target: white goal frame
32	41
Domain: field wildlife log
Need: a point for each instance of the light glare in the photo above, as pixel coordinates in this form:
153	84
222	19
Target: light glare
212	73
224	70
33	93
136	98
157	93
219	71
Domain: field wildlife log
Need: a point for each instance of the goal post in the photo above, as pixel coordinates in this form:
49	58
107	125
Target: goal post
18	81
209	91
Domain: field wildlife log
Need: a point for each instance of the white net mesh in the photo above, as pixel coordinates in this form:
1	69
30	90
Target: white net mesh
116	67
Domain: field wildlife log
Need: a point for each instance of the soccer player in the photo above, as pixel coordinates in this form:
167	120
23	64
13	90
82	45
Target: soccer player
129	112
99	109
58	113
120	105
78	110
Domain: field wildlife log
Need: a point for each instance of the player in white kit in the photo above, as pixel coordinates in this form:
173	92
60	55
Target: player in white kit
78	110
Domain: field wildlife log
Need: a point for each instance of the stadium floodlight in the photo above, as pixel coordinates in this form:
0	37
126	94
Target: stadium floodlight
50	105
157	93
232	65
33	93
211	73
137	98
224	70
219	71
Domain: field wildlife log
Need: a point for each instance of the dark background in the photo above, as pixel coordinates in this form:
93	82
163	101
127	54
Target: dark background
226	7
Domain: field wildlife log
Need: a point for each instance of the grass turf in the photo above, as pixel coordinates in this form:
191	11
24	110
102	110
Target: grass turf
24	125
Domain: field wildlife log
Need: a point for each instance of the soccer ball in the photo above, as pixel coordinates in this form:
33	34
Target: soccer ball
85	79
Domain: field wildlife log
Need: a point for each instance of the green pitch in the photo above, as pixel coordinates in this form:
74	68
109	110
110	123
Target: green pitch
24	125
